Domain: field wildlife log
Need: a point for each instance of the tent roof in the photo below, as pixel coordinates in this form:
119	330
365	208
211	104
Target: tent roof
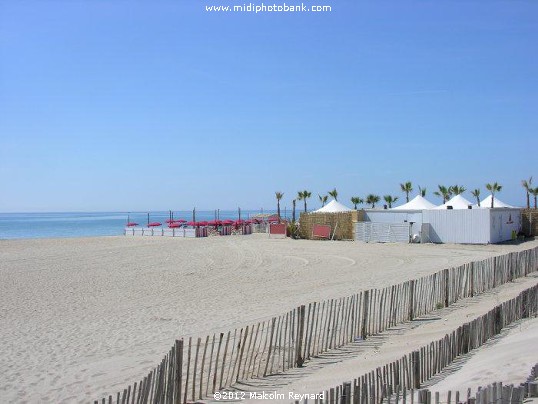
332	207
457	202
497	203
417	203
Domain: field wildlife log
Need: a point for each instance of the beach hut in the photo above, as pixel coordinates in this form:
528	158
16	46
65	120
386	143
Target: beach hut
470	226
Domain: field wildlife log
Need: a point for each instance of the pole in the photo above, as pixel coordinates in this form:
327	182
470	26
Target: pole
148	219
239	212
194	215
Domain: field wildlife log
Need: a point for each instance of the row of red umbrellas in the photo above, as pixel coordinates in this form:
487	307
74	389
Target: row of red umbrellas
180	222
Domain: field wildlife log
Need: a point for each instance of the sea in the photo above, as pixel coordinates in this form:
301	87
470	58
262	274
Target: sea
95	224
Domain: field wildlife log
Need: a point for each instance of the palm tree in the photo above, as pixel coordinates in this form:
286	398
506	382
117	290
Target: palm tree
390	200
443	192
534	192
300	195
355	200
373	199
334	194
407	187
456	190
279	196
527	184
476	194
493	188
323	199
422	191
306	195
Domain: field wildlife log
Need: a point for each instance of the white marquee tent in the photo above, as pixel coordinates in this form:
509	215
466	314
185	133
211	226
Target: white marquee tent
486	203
417	203
457	202
333	207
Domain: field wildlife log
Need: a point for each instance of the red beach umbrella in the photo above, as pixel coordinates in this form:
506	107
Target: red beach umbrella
203	223
174	225
180	221
154	224
132	224
191	223
227	222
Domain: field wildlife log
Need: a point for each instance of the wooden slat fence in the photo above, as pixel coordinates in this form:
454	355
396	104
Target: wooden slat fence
396	381
195	368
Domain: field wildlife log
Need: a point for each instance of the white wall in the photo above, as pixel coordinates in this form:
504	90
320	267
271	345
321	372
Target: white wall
393	216
465	226
503	222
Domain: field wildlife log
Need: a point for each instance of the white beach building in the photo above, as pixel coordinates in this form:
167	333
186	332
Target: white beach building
398	224
456	221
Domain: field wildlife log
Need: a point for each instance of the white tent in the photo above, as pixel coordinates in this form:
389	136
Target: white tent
333	207
457	202
417	203
486	203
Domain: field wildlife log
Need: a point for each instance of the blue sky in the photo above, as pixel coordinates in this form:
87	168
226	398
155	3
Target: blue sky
148	105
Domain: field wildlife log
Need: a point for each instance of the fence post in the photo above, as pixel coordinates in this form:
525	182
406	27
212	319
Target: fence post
179	370
472	279
412	299
299	360
416	369
365	313
498	320
346	394
447	287
423	396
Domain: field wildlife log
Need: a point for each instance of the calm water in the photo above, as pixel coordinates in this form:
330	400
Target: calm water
82	224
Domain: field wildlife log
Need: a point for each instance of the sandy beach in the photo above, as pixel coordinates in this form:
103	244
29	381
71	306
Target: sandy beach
82	318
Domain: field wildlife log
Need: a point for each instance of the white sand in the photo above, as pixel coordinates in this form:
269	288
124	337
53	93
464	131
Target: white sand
82	318
410	336
508	360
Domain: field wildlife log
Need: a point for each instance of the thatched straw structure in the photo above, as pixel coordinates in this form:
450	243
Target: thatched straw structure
529	218
343	222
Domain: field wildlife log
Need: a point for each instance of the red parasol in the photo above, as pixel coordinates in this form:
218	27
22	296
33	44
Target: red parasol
174	225
227	222
154	224
204	223
132	224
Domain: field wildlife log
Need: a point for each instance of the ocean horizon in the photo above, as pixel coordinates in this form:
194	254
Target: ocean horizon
31	225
